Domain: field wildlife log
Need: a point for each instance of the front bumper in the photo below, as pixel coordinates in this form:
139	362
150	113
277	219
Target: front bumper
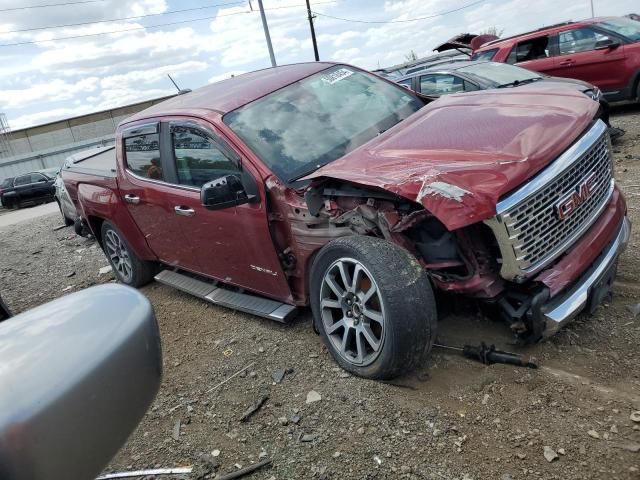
565	306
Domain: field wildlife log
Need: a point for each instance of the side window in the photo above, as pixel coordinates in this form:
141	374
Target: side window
143	155
439	84
470	87
37	177
198	158
22	180
486	55
532	49
581	40
406	83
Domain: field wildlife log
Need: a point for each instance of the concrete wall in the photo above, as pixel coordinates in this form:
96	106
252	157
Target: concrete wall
47	146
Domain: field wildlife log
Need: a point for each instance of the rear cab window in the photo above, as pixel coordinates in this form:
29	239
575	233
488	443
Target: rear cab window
142	152
531	49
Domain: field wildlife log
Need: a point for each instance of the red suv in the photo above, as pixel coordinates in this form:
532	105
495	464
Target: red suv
601	51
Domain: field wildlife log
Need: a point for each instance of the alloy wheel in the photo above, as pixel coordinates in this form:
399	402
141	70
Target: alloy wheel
352	311
119	255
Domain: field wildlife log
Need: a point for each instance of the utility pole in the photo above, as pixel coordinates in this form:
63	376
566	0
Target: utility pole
266	34
592	15
313	32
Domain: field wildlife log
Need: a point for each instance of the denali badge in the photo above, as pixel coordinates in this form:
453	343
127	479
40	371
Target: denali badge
570	203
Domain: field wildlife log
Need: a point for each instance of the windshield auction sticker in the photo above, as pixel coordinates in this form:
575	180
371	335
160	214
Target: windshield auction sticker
336	76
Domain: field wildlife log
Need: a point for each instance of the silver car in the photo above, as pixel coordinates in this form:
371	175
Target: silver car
85	159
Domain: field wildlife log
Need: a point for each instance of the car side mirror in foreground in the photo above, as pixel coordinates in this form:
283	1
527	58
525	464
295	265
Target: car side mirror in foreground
76	377
228	191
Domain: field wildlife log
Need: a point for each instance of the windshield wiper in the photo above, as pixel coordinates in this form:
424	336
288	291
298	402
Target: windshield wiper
516	83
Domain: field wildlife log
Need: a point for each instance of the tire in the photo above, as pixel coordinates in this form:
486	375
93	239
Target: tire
127	267
389	305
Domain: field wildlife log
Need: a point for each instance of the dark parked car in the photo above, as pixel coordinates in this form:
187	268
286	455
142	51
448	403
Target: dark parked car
601	51
34	187
469	76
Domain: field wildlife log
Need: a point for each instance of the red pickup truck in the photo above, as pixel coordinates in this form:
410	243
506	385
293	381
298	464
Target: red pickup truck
321	184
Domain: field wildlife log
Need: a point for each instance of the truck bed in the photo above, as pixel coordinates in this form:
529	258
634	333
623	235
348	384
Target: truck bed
100	162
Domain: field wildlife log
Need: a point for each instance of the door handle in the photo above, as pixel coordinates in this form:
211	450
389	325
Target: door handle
567	63
184	211
134	199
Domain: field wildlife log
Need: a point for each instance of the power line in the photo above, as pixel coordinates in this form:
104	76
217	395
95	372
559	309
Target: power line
401	21
49	5
31	42
123	18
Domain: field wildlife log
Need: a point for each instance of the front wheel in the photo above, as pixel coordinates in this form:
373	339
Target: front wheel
373	306
128	268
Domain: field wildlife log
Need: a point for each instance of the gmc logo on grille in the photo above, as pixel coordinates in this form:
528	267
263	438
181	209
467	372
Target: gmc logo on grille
570	203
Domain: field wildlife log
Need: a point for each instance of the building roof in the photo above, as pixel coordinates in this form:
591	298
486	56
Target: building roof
229	94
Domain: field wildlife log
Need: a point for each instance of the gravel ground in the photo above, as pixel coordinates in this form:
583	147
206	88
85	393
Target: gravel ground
454	419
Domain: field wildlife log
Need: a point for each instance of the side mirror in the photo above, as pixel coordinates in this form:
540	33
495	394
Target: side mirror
228	191
608	45
77	376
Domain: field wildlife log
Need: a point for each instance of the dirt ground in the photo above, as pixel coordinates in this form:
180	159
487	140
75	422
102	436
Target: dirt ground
454	419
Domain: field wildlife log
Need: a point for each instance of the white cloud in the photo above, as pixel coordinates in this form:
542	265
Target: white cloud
54	90
224	76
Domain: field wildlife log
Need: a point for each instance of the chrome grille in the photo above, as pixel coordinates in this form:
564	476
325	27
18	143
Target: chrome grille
528	228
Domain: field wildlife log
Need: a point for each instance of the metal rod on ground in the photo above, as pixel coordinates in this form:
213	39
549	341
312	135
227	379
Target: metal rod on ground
488	355
244	471
313	32
266	34
144	473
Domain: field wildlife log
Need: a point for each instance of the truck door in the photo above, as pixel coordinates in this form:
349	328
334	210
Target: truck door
587	54
230	244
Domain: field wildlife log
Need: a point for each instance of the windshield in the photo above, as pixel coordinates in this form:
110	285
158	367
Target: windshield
625	27
314	121
499	73
7	182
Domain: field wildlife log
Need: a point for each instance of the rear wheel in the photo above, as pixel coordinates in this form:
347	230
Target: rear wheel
128	268
373	305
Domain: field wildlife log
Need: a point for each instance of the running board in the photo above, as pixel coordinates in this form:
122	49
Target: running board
245	302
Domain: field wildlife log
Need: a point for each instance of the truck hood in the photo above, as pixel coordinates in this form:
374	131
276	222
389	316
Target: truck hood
460	154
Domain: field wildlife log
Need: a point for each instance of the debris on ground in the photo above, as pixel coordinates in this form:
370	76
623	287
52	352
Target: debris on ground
105	270
245	471
204	466
549	453
175	434
309	437
278	375
634	309
313	396
254	408
635	416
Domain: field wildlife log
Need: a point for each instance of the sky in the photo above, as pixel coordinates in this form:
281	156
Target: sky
209	40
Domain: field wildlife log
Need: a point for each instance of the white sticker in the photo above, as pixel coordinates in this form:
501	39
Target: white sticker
336	75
